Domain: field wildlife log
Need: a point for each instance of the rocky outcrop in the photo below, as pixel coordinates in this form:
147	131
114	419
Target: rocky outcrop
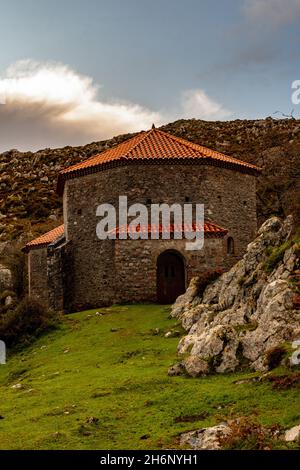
293	434
229	434
247	316
206	438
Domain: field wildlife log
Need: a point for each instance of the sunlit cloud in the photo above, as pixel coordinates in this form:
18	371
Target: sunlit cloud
197	104
50	105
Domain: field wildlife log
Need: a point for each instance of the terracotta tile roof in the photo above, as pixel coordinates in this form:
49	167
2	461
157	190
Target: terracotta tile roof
210	229
46	239
154	146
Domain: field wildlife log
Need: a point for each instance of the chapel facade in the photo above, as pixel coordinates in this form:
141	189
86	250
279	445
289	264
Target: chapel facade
71	269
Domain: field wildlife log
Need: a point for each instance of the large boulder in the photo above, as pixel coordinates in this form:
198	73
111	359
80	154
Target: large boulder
6	279
206	438
234	430
246	312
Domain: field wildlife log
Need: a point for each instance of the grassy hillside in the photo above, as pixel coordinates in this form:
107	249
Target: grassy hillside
100	382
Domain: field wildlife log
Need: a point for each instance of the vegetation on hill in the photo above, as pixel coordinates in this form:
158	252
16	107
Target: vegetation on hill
100	382
29	204
21	323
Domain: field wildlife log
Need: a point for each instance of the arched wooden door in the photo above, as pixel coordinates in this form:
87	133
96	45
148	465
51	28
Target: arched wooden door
170	277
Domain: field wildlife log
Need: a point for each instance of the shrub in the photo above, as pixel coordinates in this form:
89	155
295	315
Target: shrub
249	435
276	256
28	321
241	281
284	382
274	356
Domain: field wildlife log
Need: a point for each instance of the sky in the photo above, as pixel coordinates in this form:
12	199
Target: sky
76	71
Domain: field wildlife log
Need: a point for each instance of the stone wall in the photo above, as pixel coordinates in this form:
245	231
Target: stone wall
228	196
136	263
60	276
51	276
37	275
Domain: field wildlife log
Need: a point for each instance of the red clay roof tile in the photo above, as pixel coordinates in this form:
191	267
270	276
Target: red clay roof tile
153	146
46	239
210	229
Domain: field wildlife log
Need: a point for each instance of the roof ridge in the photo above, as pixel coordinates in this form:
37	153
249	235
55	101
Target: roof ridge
143	137
140	136
46	238
206	227
153	145
191	145
177	139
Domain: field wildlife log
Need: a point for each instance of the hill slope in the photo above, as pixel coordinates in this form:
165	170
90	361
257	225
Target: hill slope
29	204
100	382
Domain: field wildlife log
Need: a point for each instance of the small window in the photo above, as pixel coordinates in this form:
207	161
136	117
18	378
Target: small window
149	201
245	203
187	199
230	246
79	212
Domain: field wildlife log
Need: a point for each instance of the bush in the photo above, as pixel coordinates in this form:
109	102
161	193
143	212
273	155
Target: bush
276	257
246	434
276	254
274	356
28	321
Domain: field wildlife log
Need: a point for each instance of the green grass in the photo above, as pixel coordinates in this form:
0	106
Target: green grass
100	382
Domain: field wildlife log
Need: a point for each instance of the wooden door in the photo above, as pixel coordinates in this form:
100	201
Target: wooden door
170	277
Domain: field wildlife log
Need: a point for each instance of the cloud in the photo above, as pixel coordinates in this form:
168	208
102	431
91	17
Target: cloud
257	42
271	13
197	104
50	105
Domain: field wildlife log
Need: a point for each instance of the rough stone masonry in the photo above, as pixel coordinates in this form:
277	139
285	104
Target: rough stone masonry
71	269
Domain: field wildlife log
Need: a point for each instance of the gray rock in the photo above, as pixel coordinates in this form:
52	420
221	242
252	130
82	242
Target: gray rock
17	386
8	301
245	312
186	299
205	438
6	278
293	434
196	366
44	179
176	369
172	334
